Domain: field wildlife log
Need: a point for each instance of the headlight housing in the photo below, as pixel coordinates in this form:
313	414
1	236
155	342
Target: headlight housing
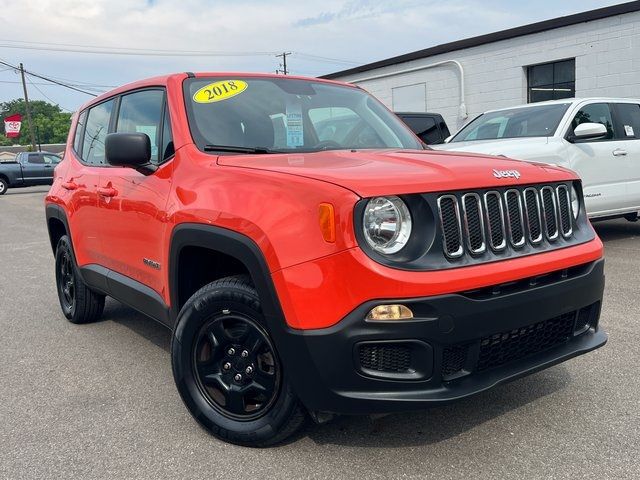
386	224
575	201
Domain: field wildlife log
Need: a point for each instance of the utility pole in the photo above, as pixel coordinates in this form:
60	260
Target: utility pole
32	131
284	63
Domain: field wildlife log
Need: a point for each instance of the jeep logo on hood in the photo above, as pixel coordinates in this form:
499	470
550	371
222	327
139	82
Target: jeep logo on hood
506	173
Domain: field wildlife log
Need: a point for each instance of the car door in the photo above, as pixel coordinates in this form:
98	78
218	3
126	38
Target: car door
599	162
81	182
34	169
627	129
133	203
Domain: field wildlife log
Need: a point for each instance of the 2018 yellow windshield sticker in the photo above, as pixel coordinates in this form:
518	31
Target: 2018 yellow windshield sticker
218	91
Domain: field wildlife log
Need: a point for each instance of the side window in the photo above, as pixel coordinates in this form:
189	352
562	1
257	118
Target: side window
424	127
167	137
96	130
141	112
628	119
595	113
35	159
51	159
77	139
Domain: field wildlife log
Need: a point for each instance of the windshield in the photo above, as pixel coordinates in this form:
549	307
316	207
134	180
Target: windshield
269	114
539	121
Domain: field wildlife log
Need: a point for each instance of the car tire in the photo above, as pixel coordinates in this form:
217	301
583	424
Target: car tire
78	302
227	370
4	186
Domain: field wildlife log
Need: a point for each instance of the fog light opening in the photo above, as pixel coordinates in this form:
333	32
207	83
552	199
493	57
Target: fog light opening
390	312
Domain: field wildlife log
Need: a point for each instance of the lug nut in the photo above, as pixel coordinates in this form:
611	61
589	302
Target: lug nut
248	370
226	366
231	351
244	354
238	377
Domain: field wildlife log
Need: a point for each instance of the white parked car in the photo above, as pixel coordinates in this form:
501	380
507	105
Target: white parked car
599	138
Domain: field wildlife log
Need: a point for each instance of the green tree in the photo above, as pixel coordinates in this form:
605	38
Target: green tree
51	122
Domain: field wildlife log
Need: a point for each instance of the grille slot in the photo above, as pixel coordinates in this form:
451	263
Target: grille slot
515	218
385	358
473	223
532	211
564	209
495	220
451	226
549	210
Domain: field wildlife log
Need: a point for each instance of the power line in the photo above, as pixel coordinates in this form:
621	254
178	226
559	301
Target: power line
139	52
319	58
50	80
46	96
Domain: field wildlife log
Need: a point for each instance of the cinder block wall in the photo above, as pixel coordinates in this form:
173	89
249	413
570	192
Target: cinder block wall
607	54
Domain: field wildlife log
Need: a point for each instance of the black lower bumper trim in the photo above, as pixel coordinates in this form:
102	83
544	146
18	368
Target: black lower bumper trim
456	346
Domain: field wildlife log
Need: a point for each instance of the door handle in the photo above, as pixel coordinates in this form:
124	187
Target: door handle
618	152
69	185
107	191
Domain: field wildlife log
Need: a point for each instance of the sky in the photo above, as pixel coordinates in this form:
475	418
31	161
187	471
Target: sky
242	35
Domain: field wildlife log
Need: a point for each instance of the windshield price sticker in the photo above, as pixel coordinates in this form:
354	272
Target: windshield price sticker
295	133
218	91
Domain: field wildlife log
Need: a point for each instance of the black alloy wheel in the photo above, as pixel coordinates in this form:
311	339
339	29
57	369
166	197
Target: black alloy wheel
235	366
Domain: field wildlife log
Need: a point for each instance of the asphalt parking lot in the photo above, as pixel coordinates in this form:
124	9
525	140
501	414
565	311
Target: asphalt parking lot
98	400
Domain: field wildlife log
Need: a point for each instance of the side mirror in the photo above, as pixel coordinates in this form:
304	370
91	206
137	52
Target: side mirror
129	150
588	131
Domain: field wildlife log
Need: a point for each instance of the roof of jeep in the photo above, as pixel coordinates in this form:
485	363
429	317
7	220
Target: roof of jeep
162	80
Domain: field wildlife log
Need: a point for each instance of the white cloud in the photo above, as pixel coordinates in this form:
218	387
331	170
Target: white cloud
358	30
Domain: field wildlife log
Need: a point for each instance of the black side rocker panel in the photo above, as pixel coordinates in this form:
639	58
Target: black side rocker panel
124	289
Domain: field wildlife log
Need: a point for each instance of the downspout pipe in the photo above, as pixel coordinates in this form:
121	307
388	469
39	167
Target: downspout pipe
463	106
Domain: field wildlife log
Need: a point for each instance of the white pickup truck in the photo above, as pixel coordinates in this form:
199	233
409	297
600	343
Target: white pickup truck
599	138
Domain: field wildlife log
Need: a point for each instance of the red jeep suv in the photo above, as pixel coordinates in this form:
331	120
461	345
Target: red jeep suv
311	256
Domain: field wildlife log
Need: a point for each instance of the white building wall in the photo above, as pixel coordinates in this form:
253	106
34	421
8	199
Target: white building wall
607	54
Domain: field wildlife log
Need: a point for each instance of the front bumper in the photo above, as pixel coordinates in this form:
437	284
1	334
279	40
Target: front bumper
457	345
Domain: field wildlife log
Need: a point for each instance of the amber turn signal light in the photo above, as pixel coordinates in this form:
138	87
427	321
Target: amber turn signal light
390	312
327	219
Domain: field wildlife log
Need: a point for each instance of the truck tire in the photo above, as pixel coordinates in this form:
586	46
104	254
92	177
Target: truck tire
79	303
4	186
227	369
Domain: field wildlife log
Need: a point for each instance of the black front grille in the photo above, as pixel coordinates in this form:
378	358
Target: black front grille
477	222
385	358
505	347
511	345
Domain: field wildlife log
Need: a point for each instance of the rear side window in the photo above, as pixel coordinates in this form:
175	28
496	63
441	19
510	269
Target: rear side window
628	117
595	113
425	128
96	130
141	112
77	139
51	159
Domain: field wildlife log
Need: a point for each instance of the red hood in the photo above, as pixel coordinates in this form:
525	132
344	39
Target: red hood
384	172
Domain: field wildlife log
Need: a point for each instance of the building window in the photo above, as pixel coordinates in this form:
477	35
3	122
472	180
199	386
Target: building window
552	81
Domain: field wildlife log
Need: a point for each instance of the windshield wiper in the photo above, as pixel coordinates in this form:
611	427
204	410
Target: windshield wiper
237	149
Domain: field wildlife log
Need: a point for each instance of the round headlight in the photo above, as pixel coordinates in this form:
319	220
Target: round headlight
387	224
575	201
